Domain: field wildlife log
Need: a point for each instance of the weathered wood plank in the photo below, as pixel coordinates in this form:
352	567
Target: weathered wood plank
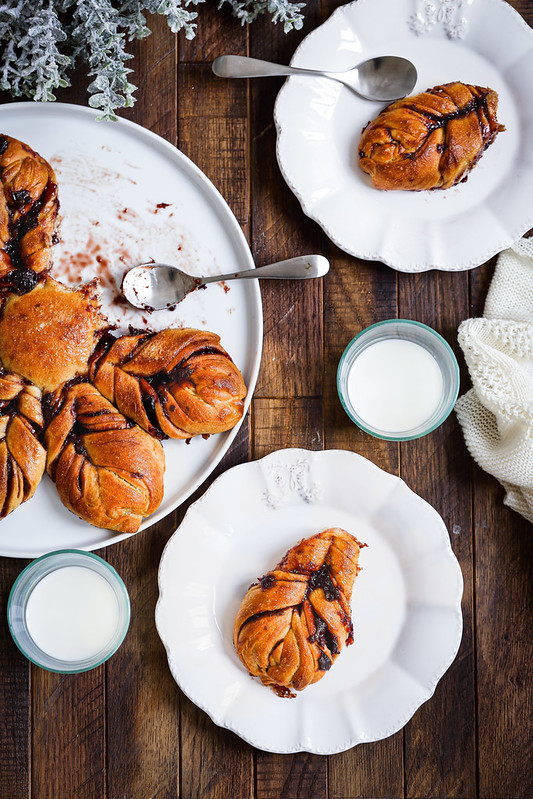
503	546
356	295
213	130
154	66
14	697
142	697
435	467
68	735
290	422
292	359
292	355
216	763
504	575
218	33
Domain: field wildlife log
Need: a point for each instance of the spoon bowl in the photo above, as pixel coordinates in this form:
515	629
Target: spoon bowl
383	78
154	286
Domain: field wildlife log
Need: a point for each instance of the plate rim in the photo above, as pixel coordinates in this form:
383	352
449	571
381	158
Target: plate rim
430	684
237	236
411	268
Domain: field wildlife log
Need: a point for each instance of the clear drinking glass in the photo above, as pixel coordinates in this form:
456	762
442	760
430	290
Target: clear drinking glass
418	333
29	578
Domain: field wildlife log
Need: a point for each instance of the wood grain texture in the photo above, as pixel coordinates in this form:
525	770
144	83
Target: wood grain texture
437	469
142	701
154	66
504	555
68	735
503	613
292	359
15	704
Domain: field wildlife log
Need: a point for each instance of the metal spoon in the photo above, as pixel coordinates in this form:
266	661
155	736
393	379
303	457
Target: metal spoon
382	78
155	286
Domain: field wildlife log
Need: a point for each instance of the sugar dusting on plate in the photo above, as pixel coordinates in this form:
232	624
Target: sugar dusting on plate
101	236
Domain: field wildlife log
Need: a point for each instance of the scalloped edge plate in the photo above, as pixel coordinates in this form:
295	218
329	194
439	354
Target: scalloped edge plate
143	166
319	123
406	603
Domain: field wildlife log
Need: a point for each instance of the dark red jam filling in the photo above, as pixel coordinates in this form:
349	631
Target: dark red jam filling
18	228
322	579
324	663
268	581
323	636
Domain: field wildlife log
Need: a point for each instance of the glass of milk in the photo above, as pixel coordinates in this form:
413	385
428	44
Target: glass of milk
68	611
398	379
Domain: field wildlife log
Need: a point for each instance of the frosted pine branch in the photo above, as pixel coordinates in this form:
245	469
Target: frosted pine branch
281	11
41	40
46	66
95	30
178	17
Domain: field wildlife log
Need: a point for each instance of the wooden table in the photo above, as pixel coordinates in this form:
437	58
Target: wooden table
124	730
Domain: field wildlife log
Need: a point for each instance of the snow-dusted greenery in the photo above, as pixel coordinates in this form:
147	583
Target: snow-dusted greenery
42	40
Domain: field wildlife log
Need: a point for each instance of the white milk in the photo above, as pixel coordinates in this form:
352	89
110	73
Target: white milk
395	385
72	613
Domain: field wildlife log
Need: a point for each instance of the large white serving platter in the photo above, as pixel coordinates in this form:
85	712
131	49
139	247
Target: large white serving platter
128	196
319	124
406	602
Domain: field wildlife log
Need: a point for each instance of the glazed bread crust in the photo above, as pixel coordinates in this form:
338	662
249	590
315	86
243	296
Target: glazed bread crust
293	623
107	470
431	140
175	384
48	334
29	206
22	456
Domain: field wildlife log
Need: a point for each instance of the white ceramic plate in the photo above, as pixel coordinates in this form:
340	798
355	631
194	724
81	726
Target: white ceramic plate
127	196
406	603
319	124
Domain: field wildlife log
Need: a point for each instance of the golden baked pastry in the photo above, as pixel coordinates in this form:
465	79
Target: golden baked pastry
177	383
28	214
22	456
48	334
107	470
432	140
293	623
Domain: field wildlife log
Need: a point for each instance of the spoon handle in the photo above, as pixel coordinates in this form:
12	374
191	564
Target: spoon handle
299	268
236	66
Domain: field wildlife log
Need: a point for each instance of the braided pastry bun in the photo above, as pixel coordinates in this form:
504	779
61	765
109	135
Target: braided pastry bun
177	383
293	623
48	334
107	470
22	457
29	208
432	140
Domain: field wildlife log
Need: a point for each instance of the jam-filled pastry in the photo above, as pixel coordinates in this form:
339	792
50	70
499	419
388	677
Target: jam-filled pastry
106	469
22	456
431	140
293	623
48	334
28	214
177	383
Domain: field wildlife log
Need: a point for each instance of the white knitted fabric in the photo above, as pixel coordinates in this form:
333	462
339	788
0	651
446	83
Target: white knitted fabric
496	415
